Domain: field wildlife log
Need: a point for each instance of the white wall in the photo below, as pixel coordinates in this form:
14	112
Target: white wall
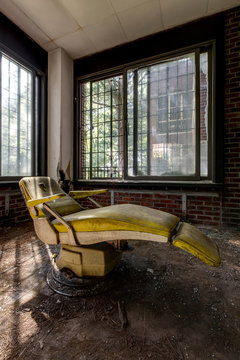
60	112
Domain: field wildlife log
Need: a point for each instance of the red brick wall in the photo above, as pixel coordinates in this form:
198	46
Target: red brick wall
12	207
201	207
204	210
231	194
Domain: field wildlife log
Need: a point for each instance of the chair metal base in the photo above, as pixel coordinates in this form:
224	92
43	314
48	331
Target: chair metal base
64	282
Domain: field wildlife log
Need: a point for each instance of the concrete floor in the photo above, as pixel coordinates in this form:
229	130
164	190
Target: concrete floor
177	307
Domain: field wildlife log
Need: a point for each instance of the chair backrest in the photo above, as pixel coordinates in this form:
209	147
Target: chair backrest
37	187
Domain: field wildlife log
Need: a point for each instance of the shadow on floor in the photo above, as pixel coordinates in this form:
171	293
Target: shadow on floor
176	306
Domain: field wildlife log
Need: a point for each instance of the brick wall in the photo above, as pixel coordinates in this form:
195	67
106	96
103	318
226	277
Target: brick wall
12	206
231	194
200	207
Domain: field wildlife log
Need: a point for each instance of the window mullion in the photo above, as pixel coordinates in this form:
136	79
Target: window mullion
37	114
0	113
111	132
9	104
97	170
104	131
18	119
125	125
197	114
34	116
91	100
81	133
33	121
135	123
210	115
148	124
168	113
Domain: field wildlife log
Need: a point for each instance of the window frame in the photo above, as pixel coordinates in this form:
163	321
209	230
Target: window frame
38	131
210	47
94	79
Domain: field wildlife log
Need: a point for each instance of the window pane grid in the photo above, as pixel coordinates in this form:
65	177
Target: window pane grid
142	122
16	119
102	129
204	113
130	118
166	129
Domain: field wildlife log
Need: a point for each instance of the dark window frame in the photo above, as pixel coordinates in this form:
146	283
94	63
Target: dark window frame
91	96
25	51
197	49
38	116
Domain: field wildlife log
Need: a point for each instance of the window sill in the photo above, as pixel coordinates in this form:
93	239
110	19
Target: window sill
149	184
10	183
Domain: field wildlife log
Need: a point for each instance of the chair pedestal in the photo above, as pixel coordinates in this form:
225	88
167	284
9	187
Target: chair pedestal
83	270
88	261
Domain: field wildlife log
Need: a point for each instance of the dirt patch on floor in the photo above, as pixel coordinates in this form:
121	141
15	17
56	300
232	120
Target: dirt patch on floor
176	307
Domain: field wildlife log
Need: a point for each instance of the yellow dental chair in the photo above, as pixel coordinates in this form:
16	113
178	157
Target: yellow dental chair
91	241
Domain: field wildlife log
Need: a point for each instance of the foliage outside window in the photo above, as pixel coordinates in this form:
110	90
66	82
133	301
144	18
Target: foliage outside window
102	128
165	124
16	119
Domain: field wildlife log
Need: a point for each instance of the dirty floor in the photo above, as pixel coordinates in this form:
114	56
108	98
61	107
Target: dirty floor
164	305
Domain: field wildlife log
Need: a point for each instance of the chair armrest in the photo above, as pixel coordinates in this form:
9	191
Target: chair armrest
71	236
34	202
86	193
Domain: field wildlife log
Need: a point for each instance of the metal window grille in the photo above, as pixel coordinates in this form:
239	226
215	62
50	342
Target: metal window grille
101	129
16	119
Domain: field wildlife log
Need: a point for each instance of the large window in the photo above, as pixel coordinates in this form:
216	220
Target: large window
17	118
102	128
153	121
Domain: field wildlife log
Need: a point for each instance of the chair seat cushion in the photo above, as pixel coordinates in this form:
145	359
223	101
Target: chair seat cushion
64	206
126	217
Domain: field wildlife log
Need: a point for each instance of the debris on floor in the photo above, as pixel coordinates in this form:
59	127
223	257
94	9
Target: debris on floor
165	304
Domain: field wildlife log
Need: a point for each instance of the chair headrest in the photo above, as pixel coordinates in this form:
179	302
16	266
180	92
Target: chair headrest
36	187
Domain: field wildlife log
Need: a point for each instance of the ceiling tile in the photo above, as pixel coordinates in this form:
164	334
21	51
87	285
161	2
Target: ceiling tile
125	4
175	13
220	5
106	34
22	21
76	44
141	20
49	15
83	27
88	12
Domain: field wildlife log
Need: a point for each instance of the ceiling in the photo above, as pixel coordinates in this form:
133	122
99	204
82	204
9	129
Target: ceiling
84	27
